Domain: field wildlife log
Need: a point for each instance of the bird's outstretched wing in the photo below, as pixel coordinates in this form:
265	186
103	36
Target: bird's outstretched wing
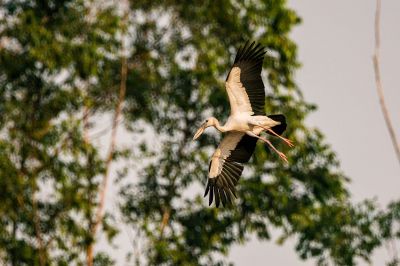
244	85
226	166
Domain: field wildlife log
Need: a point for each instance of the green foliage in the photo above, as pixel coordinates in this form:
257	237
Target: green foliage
59	58
181	82
298	197
49	174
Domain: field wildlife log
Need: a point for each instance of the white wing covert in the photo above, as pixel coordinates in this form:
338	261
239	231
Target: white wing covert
244	85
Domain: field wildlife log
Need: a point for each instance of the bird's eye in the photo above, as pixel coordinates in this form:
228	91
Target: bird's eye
206	121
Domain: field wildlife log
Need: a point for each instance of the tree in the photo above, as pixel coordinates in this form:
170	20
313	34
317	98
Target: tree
61	65
55	57
185	50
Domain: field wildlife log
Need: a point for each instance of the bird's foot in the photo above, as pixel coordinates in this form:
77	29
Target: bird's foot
283	156
287	141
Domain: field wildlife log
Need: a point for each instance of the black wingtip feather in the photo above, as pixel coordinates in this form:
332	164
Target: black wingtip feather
239	52
216	195
221	189
222	196
207	188
250	51
210	201
234	192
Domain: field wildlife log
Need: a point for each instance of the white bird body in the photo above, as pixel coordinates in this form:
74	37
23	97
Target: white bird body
247	120
243	122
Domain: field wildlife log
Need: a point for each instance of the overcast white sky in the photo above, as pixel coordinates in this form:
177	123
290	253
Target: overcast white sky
336	42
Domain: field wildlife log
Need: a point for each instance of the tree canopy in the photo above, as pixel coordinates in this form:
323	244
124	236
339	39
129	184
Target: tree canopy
61	68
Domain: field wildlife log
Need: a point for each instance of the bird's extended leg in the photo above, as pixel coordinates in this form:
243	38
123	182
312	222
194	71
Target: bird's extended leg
281	154
287	141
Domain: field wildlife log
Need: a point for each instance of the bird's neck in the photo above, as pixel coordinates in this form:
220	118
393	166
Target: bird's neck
219	127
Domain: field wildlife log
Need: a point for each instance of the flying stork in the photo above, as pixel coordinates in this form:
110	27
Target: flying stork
247	120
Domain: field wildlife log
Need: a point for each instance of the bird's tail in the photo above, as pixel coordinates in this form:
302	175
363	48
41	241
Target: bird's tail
279	129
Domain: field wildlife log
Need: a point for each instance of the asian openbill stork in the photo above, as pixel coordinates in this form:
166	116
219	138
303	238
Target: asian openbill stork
247	120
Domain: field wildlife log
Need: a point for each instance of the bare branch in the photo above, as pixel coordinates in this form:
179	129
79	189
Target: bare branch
379	87
109	158
164	221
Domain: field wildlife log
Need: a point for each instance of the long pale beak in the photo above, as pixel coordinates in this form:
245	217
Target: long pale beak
199	131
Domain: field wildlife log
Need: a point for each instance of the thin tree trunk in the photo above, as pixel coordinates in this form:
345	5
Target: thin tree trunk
86	139
103	186
379	87
164	221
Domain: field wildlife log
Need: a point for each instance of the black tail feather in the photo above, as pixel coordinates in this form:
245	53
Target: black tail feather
279	129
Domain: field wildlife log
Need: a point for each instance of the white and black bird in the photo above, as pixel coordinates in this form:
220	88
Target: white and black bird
247	120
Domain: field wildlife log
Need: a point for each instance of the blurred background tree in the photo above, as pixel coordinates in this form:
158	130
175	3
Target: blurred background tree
61	68
55	60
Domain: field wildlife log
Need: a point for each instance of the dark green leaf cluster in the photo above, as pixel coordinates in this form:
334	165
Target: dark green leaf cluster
60	62
181	81
51	51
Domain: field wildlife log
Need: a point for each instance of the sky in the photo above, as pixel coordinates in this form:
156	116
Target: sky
335	46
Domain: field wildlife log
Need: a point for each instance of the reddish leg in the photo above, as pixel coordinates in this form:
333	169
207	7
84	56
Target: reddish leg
281	154
287	141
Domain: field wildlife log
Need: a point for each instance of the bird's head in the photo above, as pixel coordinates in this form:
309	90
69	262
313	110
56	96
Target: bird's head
211	121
